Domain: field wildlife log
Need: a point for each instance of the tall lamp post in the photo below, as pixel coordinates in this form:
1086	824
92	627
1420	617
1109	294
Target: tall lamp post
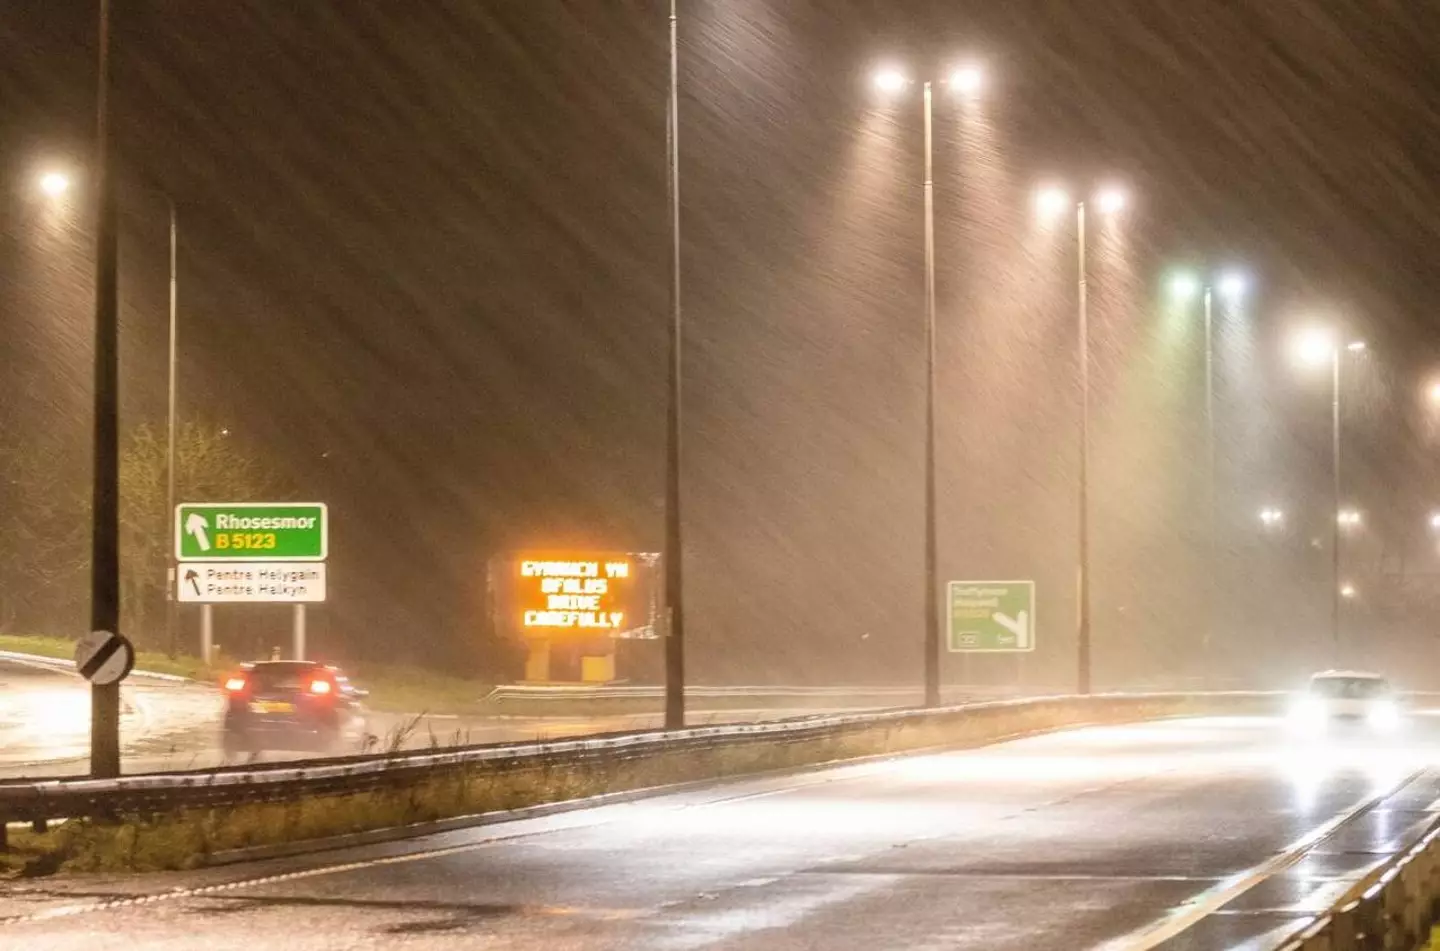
1051	203
170	626
966	81
675	624
55	184
1183	288
105	486
1316	347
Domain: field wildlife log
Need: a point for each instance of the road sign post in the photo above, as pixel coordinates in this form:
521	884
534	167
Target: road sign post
207	632
991	617
298	634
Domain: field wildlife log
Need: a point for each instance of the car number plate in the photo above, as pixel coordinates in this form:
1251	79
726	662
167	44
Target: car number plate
271	706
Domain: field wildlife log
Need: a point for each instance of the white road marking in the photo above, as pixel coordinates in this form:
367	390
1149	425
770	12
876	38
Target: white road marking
1227	890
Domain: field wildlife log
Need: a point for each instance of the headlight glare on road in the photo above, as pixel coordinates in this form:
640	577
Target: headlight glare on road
1308	714
60	711
1384	715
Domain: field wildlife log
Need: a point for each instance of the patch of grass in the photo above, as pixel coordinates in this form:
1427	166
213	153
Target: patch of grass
392	689
416	690
155	661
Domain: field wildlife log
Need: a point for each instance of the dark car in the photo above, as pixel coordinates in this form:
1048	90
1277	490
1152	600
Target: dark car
294	706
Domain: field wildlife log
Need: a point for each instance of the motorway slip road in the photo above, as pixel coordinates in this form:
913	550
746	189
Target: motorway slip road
1181	834
45	717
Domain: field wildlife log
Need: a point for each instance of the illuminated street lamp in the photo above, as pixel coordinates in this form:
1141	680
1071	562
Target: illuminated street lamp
1183	288
890	80
966	80
1111	200
1271	517
1314	347
1232	286
1435	521
54	183
1052	203
1347	591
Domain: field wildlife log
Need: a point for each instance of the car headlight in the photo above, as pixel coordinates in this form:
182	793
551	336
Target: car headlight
1384	715
1309	713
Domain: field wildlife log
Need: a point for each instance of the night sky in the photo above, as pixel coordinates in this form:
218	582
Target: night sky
423	269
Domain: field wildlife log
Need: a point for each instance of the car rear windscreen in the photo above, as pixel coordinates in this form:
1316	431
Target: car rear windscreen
1349	688
281	677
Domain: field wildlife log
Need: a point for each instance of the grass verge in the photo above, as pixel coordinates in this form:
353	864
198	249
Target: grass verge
396	689
185	839
155	661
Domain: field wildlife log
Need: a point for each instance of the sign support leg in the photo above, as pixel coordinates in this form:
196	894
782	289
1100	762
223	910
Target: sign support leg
299	638
207	633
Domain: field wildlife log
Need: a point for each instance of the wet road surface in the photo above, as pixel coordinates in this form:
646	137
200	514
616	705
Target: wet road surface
45	717
1182	834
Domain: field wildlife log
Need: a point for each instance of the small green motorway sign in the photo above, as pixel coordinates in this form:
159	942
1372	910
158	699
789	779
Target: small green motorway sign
991	616
251	531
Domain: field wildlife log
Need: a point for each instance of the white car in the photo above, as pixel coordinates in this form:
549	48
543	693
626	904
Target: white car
1358	697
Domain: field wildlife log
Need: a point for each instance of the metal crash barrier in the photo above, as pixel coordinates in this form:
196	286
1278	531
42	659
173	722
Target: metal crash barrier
775	744
1398	911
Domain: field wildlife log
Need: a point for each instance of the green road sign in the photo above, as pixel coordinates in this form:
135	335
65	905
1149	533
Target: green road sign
992	616
251	531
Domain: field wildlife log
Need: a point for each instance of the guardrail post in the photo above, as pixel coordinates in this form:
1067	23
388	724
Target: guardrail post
40	826
4	837
1343	930
1369	927
1392	900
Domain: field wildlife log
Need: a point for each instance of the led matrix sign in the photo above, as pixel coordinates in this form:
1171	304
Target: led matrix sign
583	593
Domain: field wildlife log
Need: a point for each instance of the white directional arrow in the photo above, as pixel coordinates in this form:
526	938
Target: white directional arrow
196	525
1019	625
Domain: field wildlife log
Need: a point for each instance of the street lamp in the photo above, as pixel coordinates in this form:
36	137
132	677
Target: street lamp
1313	347
674	577
1271	517
1111	200
890	80
1052	202
1184	286
54	183
1232	286
1347	591
967	81
105	422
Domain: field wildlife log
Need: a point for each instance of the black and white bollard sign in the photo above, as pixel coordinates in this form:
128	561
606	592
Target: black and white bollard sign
104	658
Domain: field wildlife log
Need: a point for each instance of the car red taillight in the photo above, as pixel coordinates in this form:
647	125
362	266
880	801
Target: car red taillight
321	687
235	684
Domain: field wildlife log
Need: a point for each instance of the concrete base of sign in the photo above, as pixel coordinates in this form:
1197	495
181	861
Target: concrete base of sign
564	660
597	670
